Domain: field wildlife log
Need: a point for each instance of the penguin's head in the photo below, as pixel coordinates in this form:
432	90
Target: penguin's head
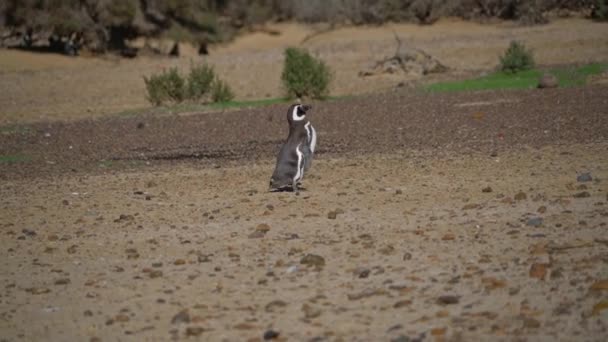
297	113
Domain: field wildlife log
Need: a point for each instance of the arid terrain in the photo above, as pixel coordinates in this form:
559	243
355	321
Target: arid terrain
475	216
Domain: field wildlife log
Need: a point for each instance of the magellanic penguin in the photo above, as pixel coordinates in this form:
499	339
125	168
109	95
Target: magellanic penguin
295	157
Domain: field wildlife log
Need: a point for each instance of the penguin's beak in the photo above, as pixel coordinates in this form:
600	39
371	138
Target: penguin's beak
306	108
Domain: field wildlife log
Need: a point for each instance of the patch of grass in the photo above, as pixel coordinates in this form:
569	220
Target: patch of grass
13	159
15	129
568	77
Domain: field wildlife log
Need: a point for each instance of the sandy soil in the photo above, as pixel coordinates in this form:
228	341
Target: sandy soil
43	87
403	245
453	219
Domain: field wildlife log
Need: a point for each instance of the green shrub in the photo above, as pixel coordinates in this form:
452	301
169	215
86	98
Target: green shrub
200	80
221	91
600	10
201	85
305	76
516	58
168	86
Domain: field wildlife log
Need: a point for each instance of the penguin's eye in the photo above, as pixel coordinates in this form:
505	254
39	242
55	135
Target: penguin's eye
301	112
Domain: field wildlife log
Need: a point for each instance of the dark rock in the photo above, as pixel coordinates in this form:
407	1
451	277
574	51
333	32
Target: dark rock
270	335
181	317
486	189
584	177
313	260
448	299
194	331
583	194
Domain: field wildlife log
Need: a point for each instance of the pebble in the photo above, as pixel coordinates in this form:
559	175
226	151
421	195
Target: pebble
181	317
584	177
194	331
534	221
361	272
582	194
448	299
270	335
313	260
520	196
486	189
407	256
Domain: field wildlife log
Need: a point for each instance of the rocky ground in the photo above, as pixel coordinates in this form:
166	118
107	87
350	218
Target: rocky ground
478	216
440	217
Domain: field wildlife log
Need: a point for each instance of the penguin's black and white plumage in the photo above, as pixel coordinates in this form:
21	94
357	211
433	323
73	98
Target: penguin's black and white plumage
295	157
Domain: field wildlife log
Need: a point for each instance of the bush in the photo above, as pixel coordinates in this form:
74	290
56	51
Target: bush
221	91
201	85
516	58
305	76
167	86
600	10
199	81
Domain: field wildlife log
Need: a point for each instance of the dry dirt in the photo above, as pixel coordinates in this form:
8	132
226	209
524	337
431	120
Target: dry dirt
43	87
439	217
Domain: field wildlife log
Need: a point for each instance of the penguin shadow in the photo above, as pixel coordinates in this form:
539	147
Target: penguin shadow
289	189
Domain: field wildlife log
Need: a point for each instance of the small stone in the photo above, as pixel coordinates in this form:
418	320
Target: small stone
62	281
122	318
155	274
547	81
600	285
486	189
262	227
181	317
313	260
274	305
583	194
361	272
534	222
332	215
194	331
470	206
448	299
179	262
407	256
270	335
311	311
584	177
402	303
531	323
538	270
542	209
448	237
520	196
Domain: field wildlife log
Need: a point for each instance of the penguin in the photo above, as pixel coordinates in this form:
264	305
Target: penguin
295	156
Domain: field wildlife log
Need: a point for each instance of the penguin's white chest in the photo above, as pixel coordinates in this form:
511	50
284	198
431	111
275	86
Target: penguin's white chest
311	136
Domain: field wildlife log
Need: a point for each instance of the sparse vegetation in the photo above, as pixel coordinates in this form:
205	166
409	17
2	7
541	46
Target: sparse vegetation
516	58
168	86
528	79
201	85
305	76
200	80
600	10
106	25
221	91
